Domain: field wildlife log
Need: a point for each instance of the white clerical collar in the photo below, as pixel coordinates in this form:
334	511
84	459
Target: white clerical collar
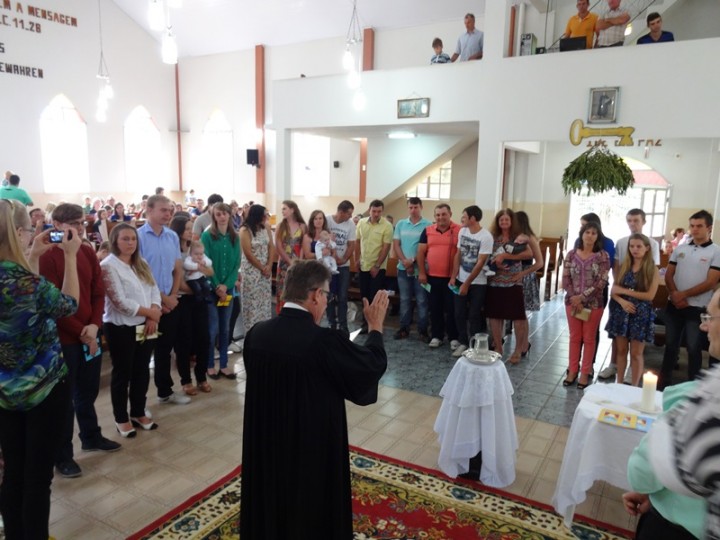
293	305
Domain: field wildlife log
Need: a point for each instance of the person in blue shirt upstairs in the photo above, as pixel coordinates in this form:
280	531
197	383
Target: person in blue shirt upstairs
657	34
439	57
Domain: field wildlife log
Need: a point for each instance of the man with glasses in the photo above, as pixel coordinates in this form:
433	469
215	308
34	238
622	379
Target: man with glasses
342	226
80	342
674	471
693	271
298	378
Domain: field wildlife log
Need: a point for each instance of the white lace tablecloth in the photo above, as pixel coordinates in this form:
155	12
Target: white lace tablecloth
477	414
597	451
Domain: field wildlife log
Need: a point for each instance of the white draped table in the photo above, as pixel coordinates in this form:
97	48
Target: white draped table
597	451
477	414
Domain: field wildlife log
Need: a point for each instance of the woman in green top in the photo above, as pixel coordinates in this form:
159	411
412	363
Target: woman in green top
33	391
222	247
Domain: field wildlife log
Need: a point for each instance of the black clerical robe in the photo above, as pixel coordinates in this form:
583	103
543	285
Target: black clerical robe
295	464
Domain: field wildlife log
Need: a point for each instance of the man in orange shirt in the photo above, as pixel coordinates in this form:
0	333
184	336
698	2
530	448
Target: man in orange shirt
582	24
435	256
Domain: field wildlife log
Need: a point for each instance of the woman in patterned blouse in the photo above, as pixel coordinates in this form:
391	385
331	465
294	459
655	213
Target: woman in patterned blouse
33	393
585	274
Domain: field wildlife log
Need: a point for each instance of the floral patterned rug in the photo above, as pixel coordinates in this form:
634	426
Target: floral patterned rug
393	500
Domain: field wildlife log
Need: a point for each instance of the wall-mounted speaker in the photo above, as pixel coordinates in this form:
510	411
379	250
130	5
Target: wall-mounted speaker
253	157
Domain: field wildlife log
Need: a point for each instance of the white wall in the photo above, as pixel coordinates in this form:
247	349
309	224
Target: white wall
692	19
223	82
391	163
345	180
464	173
69	57
406	47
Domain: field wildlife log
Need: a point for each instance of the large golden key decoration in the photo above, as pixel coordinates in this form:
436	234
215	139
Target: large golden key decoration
578	132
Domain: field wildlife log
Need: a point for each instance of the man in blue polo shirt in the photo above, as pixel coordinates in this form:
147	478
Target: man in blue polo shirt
160	247
657	34
405	242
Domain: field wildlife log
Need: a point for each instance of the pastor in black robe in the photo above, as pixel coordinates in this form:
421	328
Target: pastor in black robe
295	463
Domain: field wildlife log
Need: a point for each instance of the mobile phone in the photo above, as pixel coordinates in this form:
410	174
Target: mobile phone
86	350
56	237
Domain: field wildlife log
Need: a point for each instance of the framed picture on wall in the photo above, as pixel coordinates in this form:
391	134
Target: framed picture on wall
413	108
603	105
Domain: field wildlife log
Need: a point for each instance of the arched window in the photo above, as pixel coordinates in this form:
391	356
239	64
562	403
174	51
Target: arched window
64	148
217	155
143	151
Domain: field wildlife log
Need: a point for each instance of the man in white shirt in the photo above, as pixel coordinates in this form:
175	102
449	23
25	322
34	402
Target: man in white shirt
611	25
470	44
474	246
692	274
343	227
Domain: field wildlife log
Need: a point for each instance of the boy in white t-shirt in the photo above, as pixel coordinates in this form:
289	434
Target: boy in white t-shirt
475	246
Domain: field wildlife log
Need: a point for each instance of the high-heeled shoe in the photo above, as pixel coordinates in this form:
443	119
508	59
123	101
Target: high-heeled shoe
524	354
129	434
582	386
566	382
147	427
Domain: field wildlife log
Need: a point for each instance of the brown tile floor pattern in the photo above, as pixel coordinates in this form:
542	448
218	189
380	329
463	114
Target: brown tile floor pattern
196	444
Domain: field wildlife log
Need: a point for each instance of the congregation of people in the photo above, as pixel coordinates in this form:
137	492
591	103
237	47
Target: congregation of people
160	279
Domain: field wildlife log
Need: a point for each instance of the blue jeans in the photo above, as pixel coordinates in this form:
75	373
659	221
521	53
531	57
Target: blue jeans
337	310
219	327
677	320
410	286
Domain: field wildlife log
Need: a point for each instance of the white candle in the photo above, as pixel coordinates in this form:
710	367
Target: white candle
648	391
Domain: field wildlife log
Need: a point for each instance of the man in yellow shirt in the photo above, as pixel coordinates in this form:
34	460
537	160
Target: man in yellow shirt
374	237
582	24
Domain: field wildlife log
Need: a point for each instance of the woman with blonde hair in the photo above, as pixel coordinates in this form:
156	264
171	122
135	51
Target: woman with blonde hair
631	312
222	247
288	241
132	314
34	395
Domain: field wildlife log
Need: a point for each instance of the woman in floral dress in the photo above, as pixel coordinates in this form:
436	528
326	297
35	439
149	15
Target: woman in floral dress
256	267
288	239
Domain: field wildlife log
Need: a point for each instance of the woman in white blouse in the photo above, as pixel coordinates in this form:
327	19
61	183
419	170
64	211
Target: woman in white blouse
132	313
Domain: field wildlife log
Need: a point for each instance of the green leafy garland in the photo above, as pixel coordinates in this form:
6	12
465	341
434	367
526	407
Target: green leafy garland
598	169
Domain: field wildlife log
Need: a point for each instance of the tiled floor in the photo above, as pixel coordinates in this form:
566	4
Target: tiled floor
196	444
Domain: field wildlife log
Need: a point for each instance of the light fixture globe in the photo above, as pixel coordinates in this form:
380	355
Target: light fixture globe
169	48
348	62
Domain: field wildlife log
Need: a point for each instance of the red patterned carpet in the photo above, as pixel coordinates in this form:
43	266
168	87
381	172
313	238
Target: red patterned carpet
393	500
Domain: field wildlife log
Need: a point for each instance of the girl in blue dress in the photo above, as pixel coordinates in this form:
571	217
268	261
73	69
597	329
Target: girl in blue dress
631	312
